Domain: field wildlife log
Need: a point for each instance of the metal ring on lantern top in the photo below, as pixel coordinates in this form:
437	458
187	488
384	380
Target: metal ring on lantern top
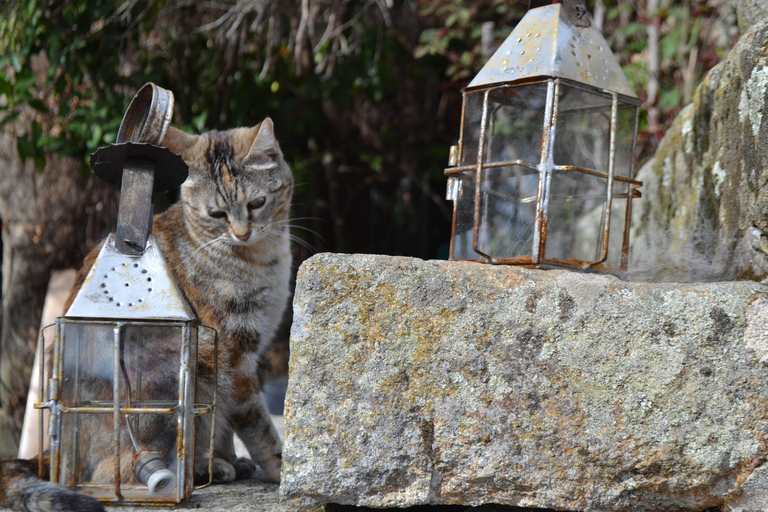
148	116
142	131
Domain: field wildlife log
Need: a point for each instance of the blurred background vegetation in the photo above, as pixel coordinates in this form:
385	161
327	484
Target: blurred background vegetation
365	95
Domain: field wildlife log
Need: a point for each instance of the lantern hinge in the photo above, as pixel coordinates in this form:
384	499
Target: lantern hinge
53	424
453	189
53	389
453	156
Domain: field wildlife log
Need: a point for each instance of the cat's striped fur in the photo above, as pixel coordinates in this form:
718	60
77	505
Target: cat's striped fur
21	489
227	244
234	268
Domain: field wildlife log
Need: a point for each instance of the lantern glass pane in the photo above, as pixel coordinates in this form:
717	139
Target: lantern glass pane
625	137
465	211
508	211
515	123
473	114
147	363
575	219
582	129
147	352
618	224
88	365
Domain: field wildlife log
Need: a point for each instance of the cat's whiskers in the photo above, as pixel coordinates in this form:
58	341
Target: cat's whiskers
291	237
211	244
289	222
291	219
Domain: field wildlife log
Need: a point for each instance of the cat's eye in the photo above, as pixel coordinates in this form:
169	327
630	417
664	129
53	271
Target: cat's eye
257	203
218	214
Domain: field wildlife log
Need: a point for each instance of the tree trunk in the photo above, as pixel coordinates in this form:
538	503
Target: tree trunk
49	220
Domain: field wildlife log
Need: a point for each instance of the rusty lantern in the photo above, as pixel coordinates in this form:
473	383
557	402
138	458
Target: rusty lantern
122	390
543	172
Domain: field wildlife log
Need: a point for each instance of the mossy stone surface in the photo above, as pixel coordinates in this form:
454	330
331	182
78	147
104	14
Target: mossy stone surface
704	210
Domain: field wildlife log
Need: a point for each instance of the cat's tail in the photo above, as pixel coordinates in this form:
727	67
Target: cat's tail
21	490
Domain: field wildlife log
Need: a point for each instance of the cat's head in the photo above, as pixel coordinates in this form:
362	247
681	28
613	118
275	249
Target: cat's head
239	186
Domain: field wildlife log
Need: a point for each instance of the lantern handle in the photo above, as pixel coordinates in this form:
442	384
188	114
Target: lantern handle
576	11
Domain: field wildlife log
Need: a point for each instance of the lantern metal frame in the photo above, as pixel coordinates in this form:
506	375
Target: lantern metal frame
511	67
129	289
185	409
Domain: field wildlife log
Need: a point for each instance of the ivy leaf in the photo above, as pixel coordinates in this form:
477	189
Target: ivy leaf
51	143
199	121
39	160
9	118
25	147
670	99
5	86
38	105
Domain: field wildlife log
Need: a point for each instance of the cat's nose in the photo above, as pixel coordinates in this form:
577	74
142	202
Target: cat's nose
245	237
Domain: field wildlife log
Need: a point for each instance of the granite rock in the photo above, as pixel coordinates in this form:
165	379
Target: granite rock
430	382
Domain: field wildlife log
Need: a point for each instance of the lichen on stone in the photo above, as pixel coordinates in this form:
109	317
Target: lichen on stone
422	382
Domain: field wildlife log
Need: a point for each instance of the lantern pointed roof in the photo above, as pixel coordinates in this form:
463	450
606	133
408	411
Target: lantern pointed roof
546	44
126	287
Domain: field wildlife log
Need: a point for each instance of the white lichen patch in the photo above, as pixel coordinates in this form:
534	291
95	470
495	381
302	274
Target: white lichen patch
718	173
547	351
743	105
498	388
756	333
667	170
466	393
687	133
754	101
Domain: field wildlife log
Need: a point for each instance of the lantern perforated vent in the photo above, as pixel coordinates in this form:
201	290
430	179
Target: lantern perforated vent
130	287
127	284
545	44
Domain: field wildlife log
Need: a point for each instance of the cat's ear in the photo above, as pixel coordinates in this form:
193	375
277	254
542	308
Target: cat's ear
178	141
265	143
183	144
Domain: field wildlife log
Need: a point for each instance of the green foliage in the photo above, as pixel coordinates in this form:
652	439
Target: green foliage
458	34
56	60
353	109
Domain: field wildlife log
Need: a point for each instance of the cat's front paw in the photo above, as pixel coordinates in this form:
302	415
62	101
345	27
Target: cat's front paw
272	466
223	472
244	468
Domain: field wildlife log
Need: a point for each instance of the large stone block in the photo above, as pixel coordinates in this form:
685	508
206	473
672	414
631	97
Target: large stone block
430	382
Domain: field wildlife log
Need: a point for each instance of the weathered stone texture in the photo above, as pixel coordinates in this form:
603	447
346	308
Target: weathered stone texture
426	382
704	211
750	12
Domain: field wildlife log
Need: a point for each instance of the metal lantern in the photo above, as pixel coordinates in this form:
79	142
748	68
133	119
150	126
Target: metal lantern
122	390
543	173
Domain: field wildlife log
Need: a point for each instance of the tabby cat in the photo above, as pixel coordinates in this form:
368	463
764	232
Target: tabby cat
227	243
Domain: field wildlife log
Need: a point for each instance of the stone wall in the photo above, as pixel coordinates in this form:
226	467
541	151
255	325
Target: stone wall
429	382
704	211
